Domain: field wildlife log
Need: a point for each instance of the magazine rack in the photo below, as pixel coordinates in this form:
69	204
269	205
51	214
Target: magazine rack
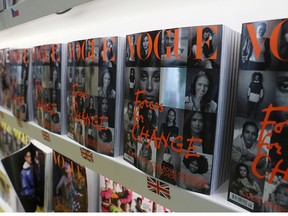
110	17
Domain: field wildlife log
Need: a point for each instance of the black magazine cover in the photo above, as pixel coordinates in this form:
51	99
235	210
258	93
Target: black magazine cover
5	79
29	170
94	93
19	65
47	73
175	102
259	174
70	192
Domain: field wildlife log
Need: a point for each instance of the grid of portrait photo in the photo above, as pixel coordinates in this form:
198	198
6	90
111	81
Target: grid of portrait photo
258	180
47	85
170	103
91	93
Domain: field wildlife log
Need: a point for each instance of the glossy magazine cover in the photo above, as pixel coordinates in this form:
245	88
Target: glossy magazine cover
69	185
5	79
259	180
26	169
11	139
93	90
19	64
47	69
171	99
115	197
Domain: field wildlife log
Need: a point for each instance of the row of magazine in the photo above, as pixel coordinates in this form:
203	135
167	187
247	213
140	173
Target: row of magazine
37	179
177	103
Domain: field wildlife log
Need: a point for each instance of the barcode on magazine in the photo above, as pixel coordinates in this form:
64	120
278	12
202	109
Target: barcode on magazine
128	158
241	200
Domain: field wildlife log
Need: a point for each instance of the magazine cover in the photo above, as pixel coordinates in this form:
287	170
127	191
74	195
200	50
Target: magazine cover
5	79
175	101
47	84
29	170
11	140
19	60
7	192
259	178
7	145
117	198
159	208
69	185
94	93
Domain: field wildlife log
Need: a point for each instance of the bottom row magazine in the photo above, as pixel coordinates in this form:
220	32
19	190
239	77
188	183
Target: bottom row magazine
37	179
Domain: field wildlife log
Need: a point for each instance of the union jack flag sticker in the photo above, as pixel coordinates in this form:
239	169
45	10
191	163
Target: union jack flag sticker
86	154
158	187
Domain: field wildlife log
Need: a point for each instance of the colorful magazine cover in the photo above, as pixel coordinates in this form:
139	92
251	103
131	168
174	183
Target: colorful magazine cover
117	198
19	64
69	185
47	84
176	98
28	170
259	178
94	89
159	208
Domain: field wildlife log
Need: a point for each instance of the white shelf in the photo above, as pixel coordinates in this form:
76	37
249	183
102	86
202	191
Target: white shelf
122	172
33	9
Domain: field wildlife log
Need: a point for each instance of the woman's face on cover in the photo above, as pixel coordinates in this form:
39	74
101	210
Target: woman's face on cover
202	85
106	79
67	167
104	136
149	115
281	95
150	82
104	106
171	116
197	123
145	42
242	171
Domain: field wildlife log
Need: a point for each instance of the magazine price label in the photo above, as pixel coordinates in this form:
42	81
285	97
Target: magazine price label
86	154
46	136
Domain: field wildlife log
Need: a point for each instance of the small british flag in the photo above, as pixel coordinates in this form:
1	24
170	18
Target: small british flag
86	154
158	187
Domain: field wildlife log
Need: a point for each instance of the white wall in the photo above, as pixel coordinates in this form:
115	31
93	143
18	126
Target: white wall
121	17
